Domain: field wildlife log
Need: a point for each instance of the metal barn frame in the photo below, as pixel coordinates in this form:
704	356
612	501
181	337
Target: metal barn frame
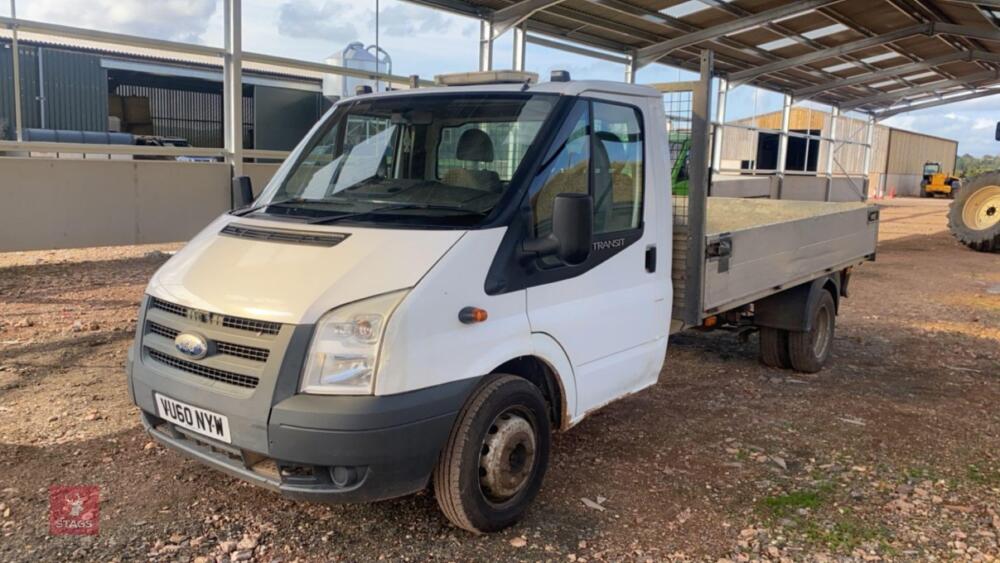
876	57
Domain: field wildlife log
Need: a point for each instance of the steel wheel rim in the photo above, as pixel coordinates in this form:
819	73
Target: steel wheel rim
507	456
822	336
982	210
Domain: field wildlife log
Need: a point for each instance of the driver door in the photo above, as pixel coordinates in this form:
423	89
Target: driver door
610	313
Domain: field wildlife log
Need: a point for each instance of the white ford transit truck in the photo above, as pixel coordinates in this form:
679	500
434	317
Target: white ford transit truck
436	279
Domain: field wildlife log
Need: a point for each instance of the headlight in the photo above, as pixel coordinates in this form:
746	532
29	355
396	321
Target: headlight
344	351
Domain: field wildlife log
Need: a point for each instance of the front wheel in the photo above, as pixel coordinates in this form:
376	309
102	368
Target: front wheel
492	467
809	350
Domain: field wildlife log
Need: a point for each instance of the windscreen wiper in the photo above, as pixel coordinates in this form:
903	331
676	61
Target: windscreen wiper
398	207
289	201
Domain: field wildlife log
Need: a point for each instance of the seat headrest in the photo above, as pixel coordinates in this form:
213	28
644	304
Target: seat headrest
475	145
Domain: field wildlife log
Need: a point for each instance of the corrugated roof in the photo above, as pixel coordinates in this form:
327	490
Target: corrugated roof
939	28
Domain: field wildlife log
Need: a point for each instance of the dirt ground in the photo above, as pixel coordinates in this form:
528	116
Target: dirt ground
892	452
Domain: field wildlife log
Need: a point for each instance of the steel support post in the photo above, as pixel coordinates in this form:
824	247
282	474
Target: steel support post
485	45
16	56
697	204
232	87
520	47
718	131
869	139
786	114
630	68
830	149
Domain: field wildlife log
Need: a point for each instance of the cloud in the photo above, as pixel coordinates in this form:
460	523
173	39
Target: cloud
306	19
983	123
177	20
402	19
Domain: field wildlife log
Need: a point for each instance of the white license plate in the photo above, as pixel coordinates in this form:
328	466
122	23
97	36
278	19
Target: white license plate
206	423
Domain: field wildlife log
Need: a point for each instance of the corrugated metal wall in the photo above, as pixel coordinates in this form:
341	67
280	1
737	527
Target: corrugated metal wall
75	87
195	116
76	90
29	89
909	151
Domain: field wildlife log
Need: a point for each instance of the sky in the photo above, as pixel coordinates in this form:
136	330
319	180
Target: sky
428	42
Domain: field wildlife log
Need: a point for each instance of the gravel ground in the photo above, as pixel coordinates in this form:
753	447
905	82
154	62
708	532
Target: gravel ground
893	452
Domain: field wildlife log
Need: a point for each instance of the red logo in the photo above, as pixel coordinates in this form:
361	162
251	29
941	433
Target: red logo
74	511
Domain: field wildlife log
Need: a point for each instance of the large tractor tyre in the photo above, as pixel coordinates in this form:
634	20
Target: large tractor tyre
974	216
809	350
495	459
774	348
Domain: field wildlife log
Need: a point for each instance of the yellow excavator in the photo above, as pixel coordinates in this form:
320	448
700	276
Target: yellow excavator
937	182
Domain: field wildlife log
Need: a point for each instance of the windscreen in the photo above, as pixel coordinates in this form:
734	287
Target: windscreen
421	159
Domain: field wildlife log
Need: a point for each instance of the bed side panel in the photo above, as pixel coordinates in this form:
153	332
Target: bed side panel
769	258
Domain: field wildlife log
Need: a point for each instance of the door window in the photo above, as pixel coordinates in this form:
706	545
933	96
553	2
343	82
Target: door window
566	170
618	168
600	153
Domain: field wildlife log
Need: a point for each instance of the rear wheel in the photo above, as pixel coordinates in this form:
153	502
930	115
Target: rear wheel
923	189
496	456
974	216
774	347
809	350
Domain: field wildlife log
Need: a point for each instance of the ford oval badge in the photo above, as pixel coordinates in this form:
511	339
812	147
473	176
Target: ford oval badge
191	345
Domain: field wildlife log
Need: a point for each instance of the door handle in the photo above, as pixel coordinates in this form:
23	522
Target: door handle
651	258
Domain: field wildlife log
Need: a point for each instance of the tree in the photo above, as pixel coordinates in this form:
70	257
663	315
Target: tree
968	165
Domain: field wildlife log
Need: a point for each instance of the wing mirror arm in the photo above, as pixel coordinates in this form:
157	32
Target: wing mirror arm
572	230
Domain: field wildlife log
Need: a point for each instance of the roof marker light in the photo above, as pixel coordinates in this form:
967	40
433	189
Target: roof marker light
560	76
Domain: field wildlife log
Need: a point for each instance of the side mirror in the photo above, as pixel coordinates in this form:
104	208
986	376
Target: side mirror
998	131
572	230
242	192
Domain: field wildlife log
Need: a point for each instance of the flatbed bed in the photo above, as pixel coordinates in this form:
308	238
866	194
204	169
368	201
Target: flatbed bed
759	247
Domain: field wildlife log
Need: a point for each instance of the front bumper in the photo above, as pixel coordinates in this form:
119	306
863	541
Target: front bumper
323	465
332	449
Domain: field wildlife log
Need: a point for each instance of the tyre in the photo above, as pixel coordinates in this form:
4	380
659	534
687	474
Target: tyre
809	350
955	185
923	190
974	216
774	348
493	464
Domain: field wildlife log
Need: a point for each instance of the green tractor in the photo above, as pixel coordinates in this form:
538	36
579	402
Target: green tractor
680	152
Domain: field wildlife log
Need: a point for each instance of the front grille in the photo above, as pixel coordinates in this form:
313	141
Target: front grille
241	351
260	327
163	331
238	323
179	310
229	377
228	348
